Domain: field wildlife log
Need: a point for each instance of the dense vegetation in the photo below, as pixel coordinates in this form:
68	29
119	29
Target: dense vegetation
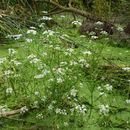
64	65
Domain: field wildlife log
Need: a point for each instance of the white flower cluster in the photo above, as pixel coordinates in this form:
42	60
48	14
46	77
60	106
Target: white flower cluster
35	104
82	36
104	109
31	31
57	48
73	92
62	16
73	63
98	27
2	60
119	28
81	109
69	51
65	36
81	85
92	33
15	37
87	52
51	105
48	33
39	116
104	33
40	66
105	88
94	37
60	80
44	98
16	75
8	73
33	59
42	75
59	70
128	101
44	54
66	124
83	63
9	91
28	40
23	110
108	87
42	25
102	93
32	27
15	62
126	68
99	23
76	23
3	109
31	56
60	111
45	12
11	51
39	76
63	63
46	18
36	93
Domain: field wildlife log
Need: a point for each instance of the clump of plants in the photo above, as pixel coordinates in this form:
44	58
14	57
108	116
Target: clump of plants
47	77
60	83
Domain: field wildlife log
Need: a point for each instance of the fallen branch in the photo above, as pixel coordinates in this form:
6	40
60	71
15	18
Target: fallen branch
10	113
53	13
72	9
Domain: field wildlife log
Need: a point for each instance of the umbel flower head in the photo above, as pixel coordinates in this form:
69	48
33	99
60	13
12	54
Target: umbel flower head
104	109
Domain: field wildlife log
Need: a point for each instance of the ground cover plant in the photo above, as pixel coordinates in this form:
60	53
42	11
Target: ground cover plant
52	77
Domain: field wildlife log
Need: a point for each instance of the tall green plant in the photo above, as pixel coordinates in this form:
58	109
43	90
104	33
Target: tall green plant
14	14
102	8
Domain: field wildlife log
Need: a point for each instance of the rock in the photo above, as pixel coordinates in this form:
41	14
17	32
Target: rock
92	26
